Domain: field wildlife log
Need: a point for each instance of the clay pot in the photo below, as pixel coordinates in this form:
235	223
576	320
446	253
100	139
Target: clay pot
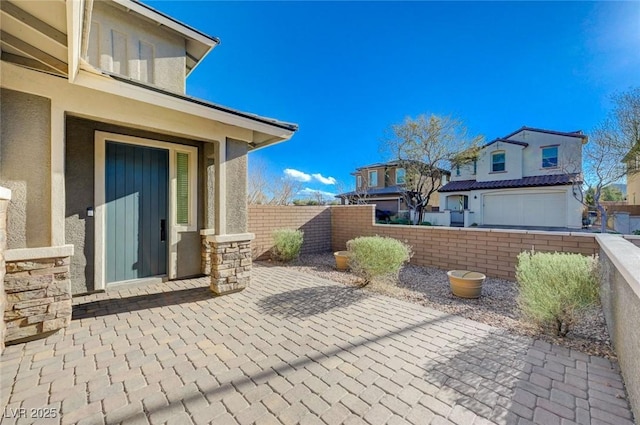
342	260
465	283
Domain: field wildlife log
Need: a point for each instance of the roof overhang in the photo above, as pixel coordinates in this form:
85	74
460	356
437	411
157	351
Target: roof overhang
198	44
34	34
577	133
264	131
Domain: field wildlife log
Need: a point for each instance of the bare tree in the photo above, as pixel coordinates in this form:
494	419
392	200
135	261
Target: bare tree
611	153
265	188
426	147
357	196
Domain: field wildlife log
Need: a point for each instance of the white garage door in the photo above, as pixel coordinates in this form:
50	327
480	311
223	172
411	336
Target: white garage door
536	209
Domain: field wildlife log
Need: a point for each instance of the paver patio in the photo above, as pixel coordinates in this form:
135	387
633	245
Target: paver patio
294	349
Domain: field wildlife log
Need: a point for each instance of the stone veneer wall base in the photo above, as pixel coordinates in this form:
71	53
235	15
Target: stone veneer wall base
230	262
38	295
5	196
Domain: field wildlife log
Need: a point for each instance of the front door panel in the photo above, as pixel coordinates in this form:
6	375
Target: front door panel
136	196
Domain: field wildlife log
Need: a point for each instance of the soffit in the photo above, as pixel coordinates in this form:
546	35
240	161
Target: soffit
36	32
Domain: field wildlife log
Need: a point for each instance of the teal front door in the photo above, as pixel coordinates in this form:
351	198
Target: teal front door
136	221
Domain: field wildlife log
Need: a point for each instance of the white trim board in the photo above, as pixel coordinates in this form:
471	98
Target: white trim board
101	138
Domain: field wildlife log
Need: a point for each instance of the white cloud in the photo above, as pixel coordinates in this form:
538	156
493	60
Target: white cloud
324	180
309	191
297	175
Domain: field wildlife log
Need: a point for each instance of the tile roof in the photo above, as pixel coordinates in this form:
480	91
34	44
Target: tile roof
577	133
513	142
389	190
533	181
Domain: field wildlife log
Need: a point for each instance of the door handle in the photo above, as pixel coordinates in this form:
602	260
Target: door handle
163	230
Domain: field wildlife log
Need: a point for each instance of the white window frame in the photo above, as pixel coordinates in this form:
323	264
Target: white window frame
557	148
101	139
404	176
358	181
493	163
372	180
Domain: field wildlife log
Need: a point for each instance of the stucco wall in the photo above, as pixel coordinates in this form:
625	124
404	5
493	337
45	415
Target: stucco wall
513	162
25	167
569	152
620	295
633	189
209	161
152	54
79	185
236	165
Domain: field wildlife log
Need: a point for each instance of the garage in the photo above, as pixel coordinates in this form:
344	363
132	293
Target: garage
548	209
385	205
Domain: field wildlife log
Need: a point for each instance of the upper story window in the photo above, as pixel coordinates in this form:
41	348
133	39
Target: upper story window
359	181
498	162
373	178
400	176
457	170
550	157
475	166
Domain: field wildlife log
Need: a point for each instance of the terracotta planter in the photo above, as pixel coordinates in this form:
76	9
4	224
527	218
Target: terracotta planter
466	284
342	260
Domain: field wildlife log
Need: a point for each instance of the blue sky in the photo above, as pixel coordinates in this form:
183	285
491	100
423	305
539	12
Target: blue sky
346	71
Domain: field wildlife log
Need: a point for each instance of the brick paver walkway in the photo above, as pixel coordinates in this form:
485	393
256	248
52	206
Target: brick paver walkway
297	349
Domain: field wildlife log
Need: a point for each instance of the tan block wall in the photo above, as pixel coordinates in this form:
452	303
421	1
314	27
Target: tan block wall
490	251
631	209
314	221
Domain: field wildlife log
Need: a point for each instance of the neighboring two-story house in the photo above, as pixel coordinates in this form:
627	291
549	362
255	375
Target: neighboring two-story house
115	170
382	184
632	159
523	179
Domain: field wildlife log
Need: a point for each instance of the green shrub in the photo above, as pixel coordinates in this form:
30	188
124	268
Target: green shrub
399	221
555	288
376	256
286	244
636	232
426	223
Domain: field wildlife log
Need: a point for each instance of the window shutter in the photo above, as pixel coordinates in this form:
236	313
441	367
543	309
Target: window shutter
182	188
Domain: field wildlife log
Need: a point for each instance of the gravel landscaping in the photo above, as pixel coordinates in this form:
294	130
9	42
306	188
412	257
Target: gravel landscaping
497	306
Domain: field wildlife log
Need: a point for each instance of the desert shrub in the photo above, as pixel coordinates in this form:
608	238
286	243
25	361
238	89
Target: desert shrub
555	288
376	256
286	244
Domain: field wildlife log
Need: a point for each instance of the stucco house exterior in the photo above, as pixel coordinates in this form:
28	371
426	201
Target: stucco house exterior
382	184
523	179
632	159
117	175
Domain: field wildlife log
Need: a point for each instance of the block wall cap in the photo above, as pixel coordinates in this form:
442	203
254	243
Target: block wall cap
238	237
38	253
625	256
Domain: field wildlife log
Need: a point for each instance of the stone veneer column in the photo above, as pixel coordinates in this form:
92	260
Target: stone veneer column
38	292
230	262
205	261
5	196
